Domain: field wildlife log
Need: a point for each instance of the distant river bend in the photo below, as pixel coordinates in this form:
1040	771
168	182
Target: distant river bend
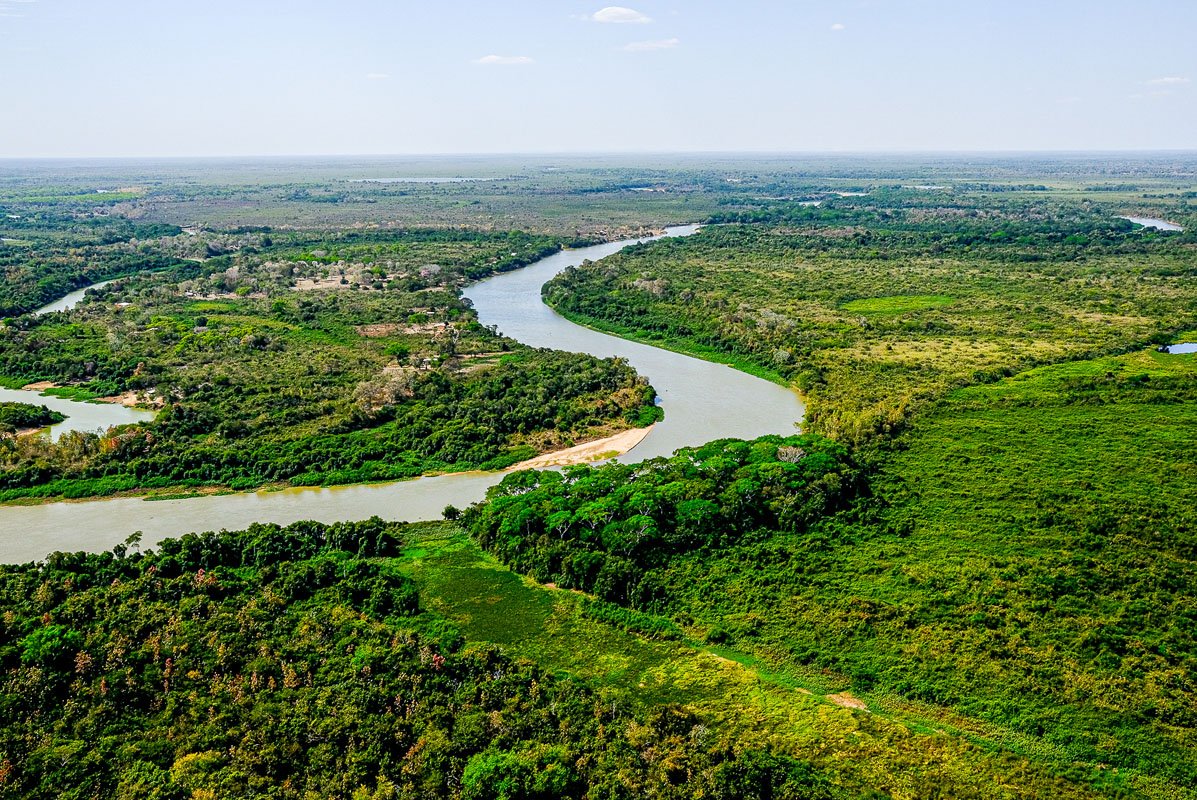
702	401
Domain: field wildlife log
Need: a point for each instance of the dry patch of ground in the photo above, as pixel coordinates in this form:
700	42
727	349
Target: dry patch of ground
846	700
319	284
377	330
215	296
134	400
598	450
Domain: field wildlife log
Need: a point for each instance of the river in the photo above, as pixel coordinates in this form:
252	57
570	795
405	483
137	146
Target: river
702	401
89	417
81	416
69	301
1152	222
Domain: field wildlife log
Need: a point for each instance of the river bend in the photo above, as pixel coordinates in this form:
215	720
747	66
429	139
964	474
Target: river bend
702	401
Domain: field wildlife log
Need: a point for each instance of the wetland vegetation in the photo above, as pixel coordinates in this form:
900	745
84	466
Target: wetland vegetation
971	576
307	361
877	305
299	662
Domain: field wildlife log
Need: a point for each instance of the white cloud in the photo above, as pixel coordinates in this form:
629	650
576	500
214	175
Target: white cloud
839	26
659	44
14	8
503	60
1154	94
377	76
619	14
1171	81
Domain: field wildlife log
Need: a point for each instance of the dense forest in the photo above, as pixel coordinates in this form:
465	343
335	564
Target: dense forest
297	662
435	423
1027	455
611	531
997	566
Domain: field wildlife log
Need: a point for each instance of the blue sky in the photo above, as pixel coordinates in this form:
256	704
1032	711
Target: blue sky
264	77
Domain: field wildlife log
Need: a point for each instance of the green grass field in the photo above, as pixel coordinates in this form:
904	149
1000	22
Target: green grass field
893	750
898	304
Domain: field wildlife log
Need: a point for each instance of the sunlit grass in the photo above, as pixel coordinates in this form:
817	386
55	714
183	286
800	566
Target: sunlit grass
898	304
892	750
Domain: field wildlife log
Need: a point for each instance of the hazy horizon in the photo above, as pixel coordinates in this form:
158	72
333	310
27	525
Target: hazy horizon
498	154
563	77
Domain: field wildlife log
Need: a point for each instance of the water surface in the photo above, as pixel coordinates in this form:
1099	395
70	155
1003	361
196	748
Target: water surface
1152	222
702	401
1184	348
81	416
69	301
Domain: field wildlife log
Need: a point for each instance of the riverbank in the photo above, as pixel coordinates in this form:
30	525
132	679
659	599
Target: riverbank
587	452
679	346
608	447
145	401
83	411
1155	222
701	401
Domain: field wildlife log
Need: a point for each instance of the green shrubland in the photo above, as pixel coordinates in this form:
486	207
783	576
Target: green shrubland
1020	566
297	662
19	416
268	369
971	577
876	306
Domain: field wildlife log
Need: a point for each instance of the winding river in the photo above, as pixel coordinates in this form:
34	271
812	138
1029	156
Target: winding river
89	417
1152	222
69	301
702	401
80	416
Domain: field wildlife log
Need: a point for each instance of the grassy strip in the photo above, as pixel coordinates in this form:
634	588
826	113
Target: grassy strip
677	345
898	754
76	393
